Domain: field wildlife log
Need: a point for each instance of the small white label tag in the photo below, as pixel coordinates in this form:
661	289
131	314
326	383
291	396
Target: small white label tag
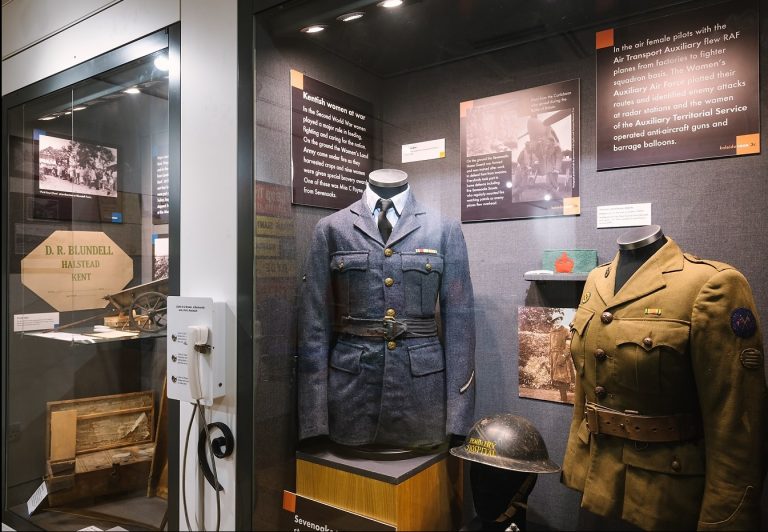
424	151
37	497
35	322
629	215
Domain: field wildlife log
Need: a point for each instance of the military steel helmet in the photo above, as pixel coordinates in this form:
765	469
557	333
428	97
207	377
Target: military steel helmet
509	442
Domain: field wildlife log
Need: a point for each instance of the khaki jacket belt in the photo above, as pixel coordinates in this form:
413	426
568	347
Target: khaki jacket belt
669	428
387	328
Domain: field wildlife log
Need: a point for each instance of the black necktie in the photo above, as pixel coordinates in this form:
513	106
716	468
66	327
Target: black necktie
385	228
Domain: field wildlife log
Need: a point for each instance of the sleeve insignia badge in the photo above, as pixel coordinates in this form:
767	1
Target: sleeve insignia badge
751	358
743	322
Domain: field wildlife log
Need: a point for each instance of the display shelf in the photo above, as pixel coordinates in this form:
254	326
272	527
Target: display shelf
574	277
86	336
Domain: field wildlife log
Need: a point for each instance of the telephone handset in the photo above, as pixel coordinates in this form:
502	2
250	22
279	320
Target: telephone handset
197	349
197	344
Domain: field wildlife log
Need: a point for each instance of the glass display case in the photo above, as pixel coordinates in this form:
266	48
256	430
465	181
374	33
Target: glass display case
489	108
88	178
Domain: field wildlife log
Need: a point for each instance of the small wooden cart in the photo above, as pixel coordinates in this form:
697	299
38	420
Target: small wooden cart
142	307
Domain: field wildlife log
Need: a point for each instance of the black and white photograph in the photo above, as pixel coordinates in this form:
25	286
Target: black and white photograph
546	368
69	167
160	257
519	153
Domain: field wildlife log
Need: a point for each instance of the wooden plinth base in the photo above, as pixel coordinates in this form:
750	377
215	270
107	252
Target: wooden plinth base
421	493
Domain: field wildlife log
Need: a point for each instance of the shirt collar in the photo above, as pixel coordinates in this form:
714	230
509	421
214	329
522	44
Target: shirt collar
399	199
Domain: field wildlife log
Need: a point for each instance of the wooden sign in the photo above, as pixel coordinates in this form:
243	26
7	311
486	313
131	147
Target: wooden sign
75	270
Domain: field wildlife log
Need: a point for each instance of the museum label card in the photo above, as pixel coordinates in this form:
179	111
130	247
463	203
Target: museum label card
629	215
35	322
37	497
424	151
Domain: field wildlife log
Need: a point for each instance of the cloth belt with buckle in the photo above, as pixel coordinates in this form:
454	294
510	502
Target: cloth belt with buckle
388	328
675	427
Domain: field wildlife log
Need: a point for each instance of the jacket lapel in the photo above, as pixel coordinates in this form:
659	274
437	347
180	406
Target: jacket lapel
408	221
647	279
605	283
364	221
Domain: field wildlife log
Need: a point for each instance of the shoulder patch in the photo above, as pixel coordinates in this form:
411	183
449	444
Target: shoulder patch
743	322
719	266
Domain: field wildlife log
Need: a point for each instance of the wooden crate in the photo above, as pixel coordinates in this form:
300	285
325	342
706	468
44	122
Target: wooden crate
99	446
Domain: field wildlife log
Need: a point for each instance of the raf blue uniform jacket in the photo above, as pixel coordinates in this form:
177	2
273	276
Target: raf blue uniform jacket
408	392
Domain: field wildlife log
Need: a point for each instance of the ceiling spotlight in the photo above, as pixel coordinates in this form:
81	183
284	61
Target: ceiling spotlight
132	90
390	3
162	63
47	118
347	17
547	197
314	28
79	108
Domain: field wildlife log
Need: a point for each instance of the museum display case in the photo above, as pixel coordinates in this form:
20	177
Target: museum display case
505	121
90	166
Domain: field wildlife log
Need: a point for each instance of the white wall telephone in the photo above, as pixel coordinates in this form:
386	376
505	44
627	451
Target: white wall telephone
196	349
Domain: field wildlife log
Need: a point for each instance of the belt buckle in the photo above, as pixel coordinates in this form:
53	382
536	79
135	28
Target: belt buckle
590	414
393	328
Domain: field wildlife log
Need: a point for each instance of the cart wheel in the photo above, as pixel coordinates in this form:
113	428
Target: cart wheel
148	312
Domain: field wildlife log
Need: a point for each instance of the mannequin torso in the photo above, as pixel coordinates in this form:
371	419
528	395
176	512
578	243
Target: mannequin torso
635	248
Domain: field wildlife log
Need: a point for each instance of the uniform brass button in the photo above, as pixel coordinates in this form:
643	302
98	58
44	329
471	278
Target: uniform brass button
600	392
600	355
391	345
389	281
647	342
341	265
428	266
391	312
606	317
388	252
675	465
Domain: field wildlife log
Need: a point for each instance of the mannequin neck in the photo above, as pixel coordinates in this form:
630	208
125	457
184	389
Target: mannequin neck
387	192
630	261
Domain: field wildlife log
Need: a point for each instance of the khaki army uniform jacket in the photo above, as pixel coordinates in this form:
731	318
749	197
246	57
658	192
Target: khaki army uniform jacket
676	354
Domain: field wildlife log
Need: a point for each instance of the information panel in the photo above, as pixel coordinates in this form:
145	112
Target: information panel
331	143
683	87
520	153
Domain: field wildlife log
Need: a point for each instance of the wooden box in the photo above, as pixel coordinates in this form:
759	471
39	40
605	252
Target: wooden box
99	446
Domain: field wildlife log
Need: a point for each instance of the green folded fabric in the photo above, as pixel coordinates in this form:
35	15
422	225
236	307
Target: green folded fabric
569	260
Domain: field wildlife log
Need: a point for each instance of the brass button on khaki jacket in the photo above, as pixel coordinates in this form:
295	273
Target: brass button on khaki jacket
683	342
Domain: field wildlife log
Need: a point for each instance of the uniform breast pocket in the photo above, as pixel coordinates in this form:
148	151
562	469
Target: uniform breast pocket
651	355
348	277
576	342
422	274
